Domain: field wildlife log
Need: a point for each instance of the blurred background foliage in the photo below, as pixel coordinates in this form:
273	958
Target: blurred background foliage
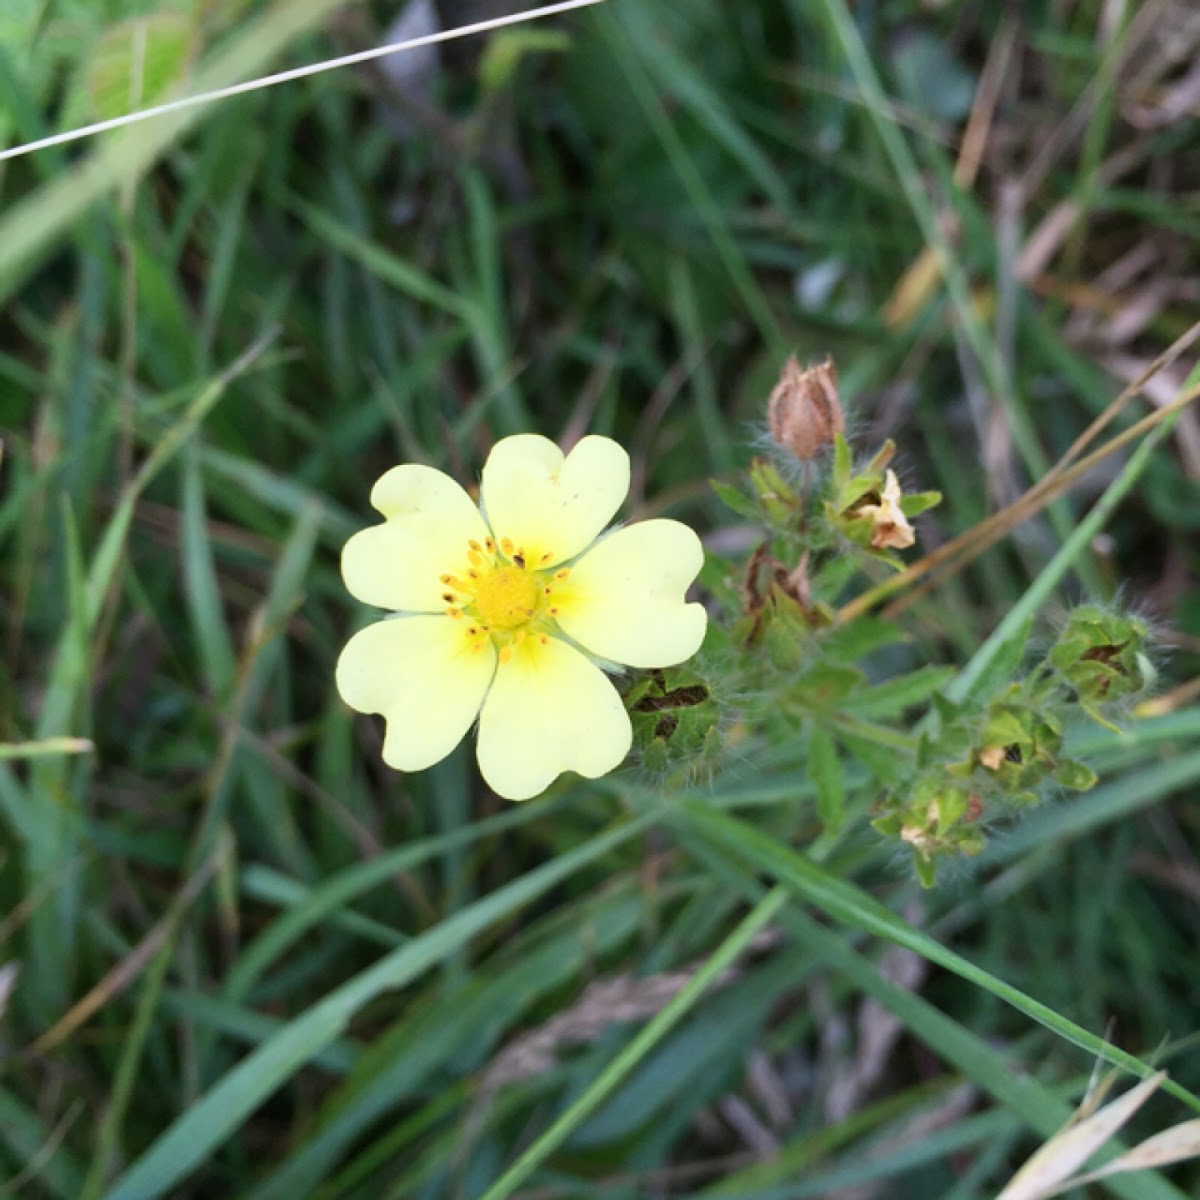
244	959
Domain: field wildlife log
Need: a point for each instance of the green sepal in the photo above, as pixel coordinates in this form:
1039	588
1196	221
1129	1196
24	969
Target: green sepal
737	500
915	503
1073	774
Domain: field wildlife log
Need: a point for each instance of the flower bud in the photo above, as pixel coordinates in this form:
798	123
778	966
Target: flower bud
1100	655
803	410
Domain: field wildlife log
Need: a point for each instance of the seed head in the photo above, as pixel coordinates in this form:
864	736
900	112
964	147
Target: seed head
803	410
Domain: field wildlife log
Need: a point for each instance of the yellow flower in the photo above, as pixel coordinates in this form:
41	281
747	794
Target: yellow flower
504	610
890	525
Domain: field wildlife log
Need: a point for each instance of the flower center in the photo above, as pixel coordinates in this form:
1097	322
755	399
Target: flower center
502	597
506	597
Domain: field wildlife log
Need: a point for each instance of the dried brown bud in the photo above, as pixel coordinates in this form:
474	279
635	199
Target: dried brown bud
803	411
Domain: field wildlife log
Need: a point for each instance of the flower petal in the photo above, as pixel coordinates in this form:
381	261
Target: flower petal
418	672
549	711
623	600
430	519
549	505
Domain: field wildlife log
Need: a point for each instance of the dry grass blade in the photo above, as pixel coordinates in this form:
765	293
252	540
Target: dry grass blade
46	748
1173	1145
1044	1173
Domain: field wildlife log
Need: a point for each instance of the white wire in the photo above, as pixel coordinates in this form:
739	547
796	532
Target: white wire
253	85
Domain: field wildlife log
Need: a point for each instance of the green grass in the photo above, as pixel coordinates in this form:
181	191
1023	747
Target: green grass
251	961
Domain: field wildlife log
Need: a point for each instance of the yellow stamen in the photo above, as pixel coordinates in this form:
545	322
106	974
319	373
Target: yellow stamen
505	598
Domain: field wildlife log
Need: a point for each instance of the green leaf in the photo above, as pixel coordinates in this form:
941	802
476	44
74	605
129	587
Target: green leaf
136	62
826	772
841	463
844	901
912	504
988	673
679	1004
504	51
852	642
222	1109
1077	776
896	695
736	500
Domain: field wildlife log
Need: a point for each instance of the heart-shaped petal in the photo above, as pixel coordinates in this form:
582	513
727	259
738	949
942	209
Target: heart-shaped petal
624	598
430	520
549	506
549	710
424	675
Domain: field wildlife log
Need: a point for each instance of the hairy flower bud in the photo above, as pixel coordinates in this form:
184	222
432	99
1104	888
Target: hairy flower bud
803	410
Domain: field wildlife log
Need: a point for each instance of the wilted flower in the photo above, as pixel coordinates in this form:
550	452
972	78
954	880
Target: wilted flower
502	609
890	527
803	410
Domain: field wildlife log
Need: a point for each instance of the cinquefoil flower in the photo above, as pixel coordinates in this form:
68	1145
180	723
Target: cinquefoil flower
504	611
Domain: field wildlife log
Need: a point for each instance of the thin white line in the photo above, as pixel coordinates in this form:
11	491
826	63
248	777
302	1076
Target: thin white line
253	85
